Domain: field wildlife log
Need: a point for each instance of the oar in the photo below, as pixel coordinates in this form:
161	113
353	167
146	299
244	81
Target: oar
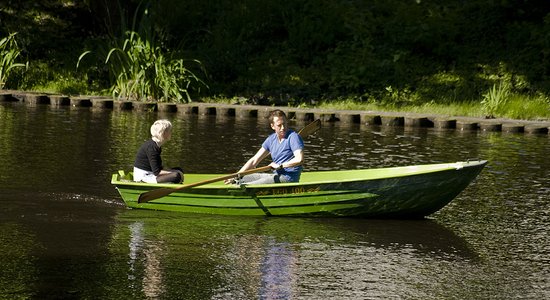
159	193
310	128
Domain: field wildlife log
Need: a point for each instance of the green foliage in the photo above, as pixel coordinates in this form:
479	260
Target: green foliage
142	71
397	97
9	53
527	107
356	49
471	109
137	59
495	99
65	84
294	52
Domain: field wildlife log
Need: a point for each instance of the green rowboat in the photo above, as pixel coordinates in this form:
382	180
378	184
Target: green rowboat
397	192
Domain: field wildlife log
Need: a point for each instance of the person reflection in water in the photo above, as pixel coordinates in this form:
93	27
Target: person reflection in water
148	164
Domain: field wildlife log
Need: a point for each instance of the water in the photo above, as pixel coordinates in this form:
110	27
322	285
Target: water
65	233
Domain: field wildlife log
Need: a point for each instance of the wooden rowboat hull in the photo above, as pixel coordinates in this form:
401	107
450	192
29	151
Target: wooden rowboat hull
398	192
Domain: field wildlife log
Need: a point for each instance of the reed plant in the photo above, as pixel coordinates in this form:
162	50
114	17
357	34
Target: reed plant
144	72
495	99
9	53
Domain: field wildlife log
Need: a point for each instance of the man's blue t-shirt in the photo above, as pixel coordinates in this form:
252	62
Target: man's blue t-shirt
284	151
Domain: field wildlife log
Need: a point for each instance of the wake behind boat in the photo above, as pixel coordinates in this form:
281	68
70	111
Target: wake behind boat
398	192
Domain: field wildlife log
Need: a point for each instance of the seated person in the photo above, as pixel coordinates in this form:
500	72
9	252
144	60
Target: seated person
148	164
286	148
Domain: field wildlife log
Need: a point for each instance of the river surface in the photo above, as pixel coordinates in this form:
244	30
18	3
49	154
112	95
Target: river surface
66	234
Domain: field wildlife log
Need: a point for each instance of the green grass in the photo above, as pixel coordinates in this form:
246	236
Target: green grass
453	109
517	106
526	107
469	109
41	77
64	85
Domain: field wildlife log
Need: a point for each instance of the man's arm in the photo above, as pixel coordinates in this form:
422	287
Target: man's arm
255	160
296	161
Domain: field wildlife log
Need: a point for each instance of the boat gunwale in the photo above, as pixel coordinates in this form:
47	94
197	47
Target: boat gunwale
391	173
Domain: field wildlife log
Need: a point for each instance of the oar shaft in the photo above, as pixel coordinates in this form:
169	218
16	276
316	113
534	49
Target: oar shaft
159	193
261	169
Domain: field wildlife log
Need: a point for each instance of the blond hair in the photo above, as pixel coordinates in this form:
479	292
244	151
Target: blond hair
159	129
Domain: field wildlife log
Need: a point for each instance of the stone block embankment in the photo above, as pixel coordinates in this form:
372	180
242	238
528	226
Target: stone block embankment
344	117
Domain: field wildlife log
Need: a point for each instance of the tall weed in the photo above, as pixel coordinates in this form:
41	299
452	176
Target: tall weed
9	52
495	99
143	72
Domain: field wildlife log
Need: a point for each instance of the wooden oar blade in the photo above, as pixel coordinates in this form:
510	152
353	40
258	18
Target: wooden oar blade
155	194
310	128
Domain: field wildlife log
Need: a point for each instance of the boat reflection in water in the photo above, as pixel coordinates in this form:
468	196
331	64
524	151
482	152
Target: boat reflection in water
275	258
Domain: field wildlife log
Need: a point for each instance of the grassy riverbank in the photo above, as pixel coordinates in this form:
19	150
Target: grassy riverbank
517	106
